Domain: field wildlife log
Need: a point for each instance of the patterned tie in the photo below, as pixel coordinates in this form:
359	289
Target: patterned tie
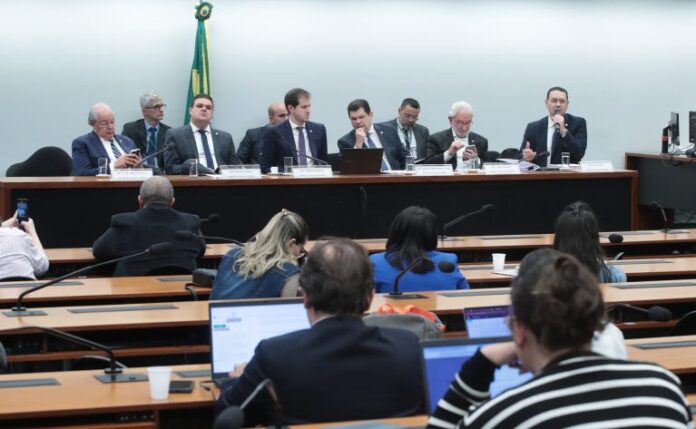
371	144
208	157
115	149
302	158
407	138
151	146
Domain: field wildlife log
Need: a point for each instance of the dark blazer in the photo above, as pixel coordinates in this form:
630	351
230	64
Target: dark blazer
340	369
87	149
134	232
176	159
439	142
250	148
279	142
396	152
420	132
137	132
575	140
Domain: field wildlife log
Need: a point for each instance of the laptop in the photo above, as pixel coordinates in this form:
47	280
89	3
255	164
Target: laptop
487	322
236	328
442	359
361	161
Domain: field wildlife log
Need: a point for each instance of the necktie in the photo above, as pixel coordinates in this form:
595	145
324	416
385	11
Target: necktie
115	149
407	138
302	158
151	146
371	144
208	157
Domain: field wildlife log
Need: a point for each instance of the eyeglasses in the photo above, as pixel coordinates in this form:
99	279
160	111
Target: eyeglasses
157	107
409	116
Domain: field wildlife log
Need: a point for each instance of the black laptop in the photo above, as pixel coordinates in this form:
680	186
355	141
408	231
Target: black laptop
361	161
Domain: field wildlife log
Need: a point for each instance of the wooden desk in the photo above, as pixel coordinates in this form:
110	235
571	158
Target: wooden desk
354	206
406	422
679	360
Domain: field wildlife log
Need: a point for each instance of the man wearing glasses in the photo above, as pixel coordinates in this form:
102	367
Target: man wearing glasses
412	135
148	133
457	145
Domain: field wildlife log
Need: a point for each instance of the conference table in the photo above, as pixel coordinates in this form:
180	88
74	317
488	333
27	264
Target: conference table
357	206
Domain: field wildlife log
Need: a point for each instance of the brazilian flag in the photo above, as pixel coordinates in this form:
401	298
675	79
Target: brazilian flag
200	71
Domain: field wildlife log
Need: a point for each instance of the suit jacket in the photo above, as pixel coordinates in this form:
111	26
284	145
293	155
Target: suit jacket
340	369
134	232
250	148
395	152
439	142
176	159
575	140
279	142
137	132
420	132
87	149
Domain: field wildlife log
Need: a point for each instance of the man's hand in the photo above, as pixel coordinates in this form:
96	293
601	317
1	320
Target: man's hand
28	226
454	147
560	120
360	138
469	153
127	160
238	370
11	222
528	154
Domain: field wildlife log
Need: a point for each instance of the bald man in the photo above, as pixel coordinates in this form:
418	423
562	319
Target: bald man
155	222
250	147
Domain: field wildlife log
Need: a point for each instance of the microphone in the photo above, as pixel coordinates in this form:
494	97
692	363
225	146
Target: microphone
293	149
3	358
656	206
556	125
188	235
655	313
19	310
615	238
212	218
233	417
484	209
166	147
444	266
112	374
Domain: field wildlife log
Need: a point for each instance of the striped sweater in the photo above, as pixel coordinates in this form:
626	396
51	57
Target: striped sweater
581	390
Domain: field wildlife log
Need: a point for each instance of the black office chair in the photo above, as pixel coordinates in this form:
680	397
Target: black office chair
685	326
510	153
92	362
48	161
335	161
492	156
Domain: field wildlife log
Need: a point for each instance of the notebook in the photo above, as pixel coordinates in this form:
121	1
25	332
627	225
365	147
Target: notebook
361	161
487	322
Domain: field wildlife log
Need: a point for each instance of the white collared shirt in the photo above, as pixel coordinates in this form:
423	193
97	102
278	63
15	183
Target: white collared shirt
461	165
199	145
296	136
109	151
549	134
374	137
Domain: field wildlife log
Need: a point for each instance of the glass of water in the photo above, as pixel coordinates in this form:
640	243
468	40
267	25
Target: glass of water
565	160
410	164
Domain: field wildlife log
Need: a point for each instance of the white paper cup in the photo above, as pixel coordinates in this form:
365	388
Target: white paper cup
498	261
159	381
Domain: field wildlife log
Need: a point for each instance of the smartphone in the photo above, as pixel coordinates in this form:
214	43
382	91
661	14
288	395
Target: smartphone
135	152
181	386
470	148
22	209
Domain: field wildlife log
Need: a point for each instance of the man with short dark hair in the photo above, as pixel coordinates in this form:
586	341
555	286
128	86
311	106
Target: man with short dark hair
339	369
149	132
366	134
155	222
412	135
198	140
297	137
250	148
556	133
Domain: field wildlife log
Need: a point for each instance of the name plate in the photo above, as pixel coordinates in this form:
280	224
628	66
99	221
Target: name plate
596	166
241	172
131	174
434	170
500	168
321	171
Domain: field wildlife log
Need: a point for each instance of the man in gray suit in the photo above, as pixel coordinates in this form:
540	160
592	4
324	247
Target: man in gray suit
413	136
198	140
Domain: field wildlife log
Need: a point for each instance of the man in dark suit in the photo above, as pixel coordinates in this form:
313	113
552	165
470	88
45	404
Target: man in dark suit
148	133
566	132
198	140
339	369
412	135
450	145
296	137
155	222
365	134
250	147
102	143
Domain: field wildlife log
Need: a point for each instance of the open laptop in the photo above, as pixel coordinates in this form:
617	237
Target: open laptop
442	360
236	327
361	161
487	322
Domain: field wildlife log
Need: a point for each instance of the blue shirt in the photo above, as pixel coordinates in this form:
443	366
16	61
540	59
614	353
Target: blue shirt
385	274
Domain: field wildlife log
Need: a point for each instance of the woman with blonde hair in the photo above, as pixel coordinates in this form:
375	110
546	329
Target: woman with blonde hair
267	265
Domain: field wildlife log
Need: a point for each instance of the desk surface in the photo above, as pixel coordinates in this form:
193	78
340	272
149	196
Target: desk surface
679	360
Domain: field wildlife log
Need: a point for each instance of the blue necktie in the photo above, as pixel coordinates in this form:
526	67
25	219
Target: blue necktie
208	157
372	145
302	158
151	146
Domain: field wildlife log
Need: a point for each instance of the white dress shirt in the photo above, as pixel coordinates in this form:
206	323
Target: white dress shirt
296	136
461	164
199	146
18	255
374	137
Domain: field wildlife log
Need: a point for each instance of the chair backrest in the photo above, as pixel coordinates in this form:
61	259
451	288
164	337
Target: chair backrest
46	162
492	156
685	326
335	161
510	153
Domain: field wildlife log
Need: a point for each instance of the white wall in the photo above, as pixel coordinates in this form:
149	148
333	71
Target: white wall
625	63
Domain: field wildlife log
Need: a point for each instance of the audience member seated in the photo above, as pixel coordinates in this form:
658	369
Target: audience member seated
21	254
556	309
413	235
339	369
267	266
155	222
577	233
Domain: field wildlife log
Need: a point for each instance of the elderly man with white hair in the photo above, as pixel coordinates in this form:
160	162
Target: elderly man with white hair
148	133
102	142
450	145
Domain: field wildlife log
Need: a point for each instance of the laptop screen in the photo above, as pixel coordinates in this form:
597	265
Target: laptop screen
487	322
442	360
237	327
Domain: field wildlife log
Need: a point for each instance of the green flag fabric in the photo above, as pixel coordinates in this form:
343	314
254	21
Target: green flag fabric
200	72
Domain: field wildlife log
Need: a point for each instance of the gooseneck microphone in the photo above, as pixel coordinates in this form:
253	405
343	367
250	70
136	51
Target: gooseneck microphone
188	235
484	209
233	417
656	206
655	313
293	149
443	266
166	147
18	310
212	218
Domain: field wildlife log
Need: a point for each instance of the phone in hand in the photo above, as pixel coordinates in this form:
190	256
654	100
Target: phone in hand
22	209
181	386
134	152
